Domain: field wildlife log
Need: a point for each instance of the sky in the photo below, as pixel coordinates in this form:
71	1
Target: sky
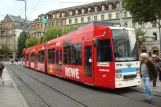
36	7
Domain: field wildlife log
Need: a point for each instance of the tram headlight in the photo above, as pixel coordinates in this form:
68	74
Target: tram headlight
118	75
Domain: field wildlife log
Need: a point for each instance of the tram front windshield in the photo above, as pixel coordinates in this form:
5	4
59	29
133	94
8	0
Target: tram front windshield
125	48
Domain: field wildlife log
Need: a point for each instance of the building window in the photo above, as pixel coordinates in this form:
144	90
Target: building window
142	25
77	54
95	18
71	13
76	20
117	5
155	35
82	20
103	7
52	24
76	12
70	21
125	24
83	11
102	17
125	14
89	9
53	15
89	19
133	25
154	24
110	7
117	15
96	9
109	16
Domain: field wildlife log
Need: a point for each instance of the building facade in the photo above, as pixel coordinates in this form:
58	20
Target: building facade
10	29
108	10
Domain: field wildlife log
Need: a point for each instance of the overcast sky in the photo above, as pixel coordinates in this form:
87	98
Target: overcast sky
36	7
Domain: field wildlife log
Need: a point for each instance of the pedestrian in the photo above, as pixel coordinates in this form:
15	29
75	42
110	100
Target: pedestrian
11	62
148	72
157	66
1	71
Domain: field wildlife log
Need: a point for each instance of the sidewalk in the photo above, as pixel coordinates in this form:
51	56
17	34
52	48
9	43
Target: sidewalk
10	95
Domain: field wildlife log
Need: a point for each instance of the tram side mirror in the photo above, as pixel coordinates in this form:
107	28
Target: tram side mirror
96	42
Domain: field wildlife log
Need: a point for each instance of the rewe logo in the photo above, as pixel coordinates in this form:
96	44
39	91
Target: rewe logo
72	72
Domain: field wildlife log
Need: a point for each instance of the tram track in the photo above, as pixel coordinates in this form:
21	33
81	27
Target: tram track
38	96
53	89
83	105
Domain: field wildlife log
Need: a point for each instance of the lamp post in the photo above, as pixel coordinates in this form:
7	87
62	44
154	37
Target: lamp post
121	15
141	38
25	6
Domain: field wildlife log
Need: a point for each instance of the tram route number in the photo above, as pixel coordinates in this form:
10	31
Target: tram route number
72	72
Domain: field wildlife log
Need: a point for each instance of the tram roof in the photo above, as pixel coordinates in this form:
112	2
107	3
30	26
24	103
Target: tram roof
103	23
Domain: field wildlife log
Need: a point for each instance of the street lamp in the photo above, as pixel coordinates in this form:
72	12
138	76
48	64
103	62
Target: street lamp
25	6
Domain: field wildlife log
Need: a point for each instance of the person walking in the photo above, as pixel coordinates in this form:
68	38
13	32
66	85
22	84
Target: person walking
148	72
1	71
157	67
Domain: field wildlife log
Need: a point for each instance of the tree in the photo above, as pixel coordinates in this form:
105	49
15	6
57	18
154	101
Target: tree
139	32
58	31
144	10
52	33
4	49
32	41
21	43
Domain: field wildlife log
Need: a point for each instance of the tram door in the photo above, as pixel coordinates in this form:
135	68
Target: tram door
59	60
88	49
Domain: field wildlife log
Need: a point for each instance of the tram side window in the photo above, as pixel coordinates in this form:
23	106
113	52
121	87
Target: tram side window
49	56
53	55
41	56
32	56
67	54
77	54
104	51
26	56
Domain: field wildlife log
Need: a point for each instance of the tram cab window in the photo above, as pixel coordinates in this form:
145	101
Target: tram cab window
41	56
104	52
77	54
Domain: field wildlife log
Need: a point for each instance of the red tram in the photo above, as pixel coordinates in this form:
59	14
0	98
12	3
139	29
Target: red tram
97	54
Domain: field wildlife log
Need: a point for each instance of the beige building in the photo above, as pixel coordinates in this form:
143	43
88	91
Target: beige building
10	29
108	10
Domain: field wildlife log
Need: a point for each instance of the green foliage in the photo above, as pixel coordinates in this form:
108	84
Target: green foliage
52	33
32	41
4	49
139	32
144	10
21	43
55	32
